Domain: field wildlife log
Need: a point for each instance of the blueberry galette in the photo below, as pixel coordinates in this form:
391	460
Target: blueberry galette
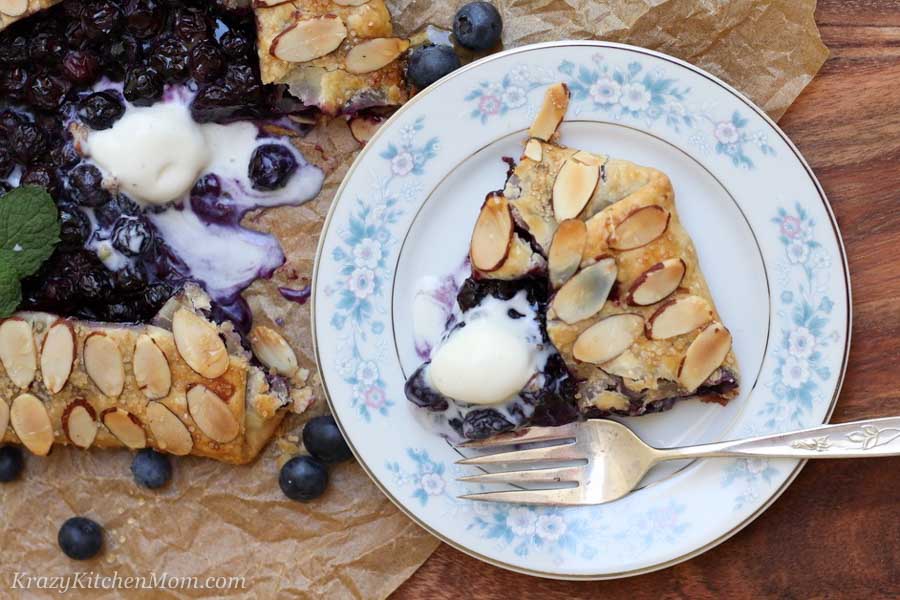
585	299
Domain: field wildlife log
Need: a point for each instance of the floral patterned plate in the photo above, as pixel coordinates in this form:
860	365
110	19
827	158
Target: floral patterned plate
767	241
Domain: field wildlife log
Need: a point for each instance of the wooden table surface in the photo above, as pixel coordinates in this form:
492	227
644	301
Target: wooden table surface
835	532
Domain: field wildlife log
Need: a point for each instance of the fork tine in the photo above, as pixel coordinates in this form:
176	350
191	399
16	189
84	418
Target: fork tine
557	497
558	452
557	475
523	436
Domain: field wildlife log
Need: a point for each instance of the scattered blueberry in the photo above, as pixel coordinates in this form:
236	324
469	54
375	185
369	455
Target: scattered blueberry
85	186
477	26
80	538
151	469
11	463
101	110
323	439
427	64
271	166
303	478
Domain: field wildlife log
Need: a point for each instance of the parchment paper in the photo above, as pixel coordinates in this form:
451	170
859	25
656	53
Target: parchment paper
219	520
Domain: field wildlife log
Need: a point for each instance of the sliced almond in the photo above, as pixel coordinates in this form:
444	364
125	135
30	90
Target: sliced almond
199	344
171	434
679	316
58	355
586	158
573	188
13	8
309	39
79	422
17	351
493	234
586	292
103	363
273	351
639	228
211	414
705	354
657	282
553	110
364	128
350	2
566	250
608	338
4	417
374	54
534	150
125	427
31	422
271	3
151	368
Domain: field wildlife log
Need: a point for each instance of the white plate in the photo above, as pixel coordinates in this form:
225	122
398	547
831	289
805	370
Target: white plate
767	242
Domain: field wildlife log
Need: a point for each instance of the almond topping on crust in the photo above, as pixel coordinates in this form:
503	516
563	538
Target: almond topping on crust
13	8
493	234
4	417
17	351
657	282
211	414
103	363
639	228
679	316
31	422
151	368
553	110
199	344
586	292
58	355
608	338
79	422
573	187
309	39
273	351
126	427
566	250
171	434
374	54
534	150
705	354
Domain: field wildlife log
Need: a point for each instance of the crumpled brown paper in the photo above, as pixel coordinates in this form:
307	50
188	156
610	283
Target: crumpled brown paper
220	520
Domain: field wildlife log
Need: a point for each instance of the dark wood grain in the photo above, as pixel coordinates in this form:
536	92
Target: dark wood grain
835	533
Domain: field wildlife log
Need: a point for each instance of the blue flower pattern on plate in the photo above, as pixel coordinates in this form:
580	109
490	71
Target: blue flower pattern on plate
426	478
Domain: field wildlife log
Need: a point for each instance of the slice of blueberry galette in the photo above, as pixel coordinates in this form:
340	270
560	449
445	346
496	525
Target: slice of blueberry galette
585	299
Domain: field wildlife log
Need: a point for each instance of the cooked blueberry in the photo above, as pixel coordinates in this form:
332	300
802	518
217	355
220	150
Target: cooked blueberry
81	66
145	18
118	206
132	236
483	423
14	50
100	19
427	64
237	311
7	163
514	314
303	478
207	61
208	185
15	82
143	85
190	25
215	208
64	155
129	280
235	44
122	312
215	102
11	463
151	469
27	141
101	110
477	26
74	226
45	48
47	92
124	50
85	186
171	58
80	538
423	395
271	166
322	438
43	176
94	284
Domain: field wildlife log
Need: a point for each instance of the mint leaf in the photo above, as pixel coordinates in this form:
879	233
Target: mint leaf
29	229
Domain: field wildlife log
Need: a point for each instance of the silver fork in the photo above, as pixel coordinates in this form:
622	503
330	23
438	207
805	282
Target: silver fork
613	459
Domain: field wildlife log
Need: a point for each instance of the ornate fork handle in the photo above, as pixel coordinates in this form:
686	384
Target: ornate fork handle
857	439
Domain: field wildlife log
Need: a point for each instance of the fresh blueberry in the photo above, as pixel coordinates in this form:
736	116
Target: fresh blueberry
483	423
427	64
271	166
101	110
151	469
323	440
11	463
303	478
143	85
132	236
80	538
85	186
477	26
